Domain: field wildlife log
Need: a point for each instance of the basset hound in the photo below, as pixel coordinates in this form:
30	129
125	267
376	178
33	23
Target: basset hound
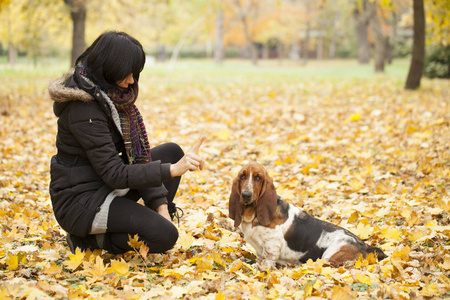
280	232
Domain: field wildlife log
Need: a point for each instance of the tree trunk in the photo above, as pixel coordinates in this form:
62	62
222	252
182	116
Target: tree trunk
294	52
162	53
332	49
78	15
362	26
12	51
12	55
251	46
305	46
389	50
319	49
380	41
363	43
280	52
218	45
418	53
266	50
393	41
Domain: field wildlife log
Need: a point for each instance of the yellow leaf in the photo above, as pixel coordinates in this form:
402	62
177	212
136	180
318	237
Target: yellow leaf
342	293
446	264
52	269
77	292
226	240
4	294
236	265
430	290
121	268
143	250
317	284
406	213
220	296
387	271
177	292
75	259
401	253
204	264
134	241
210	235
355	117
308	288
415	235
327	271
12	261
96	269
363	279
185	240
391	234
178	272
223	134
412	219
194	287
228	249
371	258
217	257
353	217
411	129
363	230
439	121
383	188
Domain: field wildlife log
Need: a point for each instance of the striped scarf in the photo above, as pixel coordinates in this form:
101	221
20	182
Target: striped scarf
133	128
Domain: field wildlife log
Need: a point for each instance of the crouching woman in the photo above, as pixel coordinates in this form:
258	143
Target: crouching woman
104	163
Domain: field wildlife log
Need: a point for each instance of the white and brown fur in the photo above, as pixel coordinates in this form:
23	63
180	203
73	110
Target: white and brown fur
281	232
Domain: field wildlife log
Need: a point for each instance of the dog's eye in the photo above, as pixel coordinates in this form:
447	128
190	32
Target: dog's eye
257	178
243	177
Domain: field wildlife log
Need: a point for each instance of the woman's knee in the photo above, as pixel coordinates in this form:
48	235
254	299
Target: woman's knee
178	153
167	153
169	237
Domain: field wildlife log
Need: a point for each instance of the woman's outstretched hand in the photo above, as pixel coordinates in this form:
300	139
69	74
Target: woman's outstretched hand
191	161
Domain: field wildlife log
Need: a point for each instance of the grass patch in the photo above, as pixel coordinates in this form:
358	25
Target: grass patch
271	71
206	72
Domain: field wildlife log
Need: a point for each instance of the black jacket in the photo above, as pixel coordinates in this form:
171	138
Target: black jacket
89	164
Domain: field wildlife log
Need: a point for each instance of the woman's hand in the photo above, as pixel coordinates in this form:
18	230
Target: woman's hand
191	161
164	211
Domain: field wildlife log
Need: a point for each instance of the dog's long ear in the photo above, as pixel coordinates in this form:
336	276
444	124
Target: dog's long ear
234	205
267	202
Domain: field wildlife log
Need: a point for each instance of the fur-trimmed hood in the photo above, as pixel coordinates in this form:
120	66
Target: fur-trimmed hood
59	92
65	89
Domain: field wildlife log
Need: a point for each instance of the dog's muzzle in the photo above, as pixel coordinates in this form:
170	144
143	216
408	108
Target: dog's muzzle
246	197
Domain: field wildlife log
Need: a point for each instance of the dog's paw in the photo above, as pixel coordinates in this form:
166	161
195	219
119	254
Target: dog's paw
265	264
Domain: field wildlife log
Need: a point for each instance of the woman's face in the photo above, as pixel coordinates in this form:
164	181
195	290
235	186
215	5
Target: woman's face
126	82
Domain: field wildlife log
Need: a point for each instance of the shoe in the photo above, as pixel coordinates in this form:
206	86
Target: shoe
74	242
175	212
70	243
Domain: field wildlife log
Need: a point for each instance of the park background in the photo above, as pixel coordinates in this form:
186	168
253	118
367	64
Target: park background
346	103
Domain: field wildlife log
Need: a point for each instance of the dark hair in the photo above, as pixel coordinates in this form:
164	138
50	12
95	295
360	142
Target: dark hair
111	58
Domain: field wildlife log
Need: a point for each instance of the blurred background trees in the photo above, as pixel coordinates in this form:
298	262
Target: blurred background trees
295	30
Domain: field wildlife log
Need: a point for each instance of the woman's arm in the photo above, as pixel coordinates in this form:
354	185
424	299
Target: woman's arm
89	125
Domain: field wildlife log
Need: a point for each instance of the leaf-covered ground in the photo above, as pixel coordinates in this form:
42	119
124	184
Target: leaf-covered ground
361	153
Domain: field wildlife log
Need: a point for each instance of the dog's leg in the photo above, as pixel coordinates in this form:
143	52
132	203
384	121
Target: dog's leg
269	256
265	264
345	253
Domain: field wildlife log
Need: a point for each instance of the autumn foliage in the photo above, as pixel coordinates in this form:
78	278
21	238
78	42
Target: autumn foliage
358	152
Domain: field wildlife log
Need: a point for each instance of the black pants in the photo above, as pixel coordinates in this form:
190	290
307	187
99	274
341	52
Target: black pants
126	217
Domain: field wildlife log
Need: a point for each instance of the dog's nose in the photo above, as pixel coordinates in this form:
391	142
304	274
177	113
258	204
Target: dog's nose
246	195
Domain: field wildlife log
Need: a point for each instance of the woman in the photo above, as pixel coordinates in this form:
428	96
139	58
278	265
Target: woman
104	163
